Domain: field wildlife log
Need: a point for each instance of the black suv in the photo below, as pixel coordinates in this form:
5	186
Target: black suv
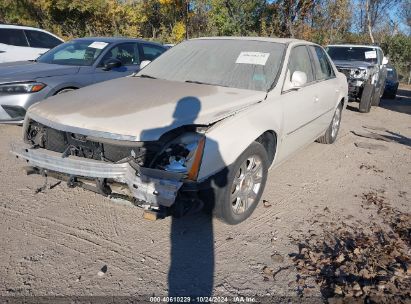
365	69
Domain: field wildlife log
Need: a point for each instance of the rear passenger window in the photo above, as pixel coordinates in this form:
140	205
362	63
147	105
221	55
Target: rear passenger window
42	40
322	66
151	52
300	61
13	37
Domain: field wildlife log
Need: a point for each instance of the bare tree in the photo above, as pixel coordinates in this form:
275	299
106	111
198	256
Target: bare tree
375	11
368	18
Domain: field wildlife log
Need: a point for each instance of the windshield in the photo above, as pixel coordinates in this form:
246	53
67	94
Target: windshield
83	53
243	64
353	53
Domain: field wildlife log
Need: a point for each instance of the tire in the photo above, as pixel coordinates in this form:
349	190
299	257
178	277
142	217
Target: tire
331	134
62	91
376	99
393	95
233	211
366	98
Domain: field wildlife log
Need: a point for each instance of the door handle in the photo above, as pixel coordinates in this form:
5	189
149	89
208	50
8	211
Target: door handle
316	99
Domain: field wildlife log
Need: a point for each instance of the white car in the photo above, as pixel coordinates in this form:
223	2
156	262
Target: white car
22	43
199	126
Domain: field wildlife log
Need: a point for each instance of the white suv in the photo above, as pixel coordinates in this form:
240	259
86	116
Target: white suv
19	43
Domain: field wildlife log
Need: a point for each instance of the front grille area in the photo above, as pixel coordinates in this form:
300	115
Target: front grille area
79	145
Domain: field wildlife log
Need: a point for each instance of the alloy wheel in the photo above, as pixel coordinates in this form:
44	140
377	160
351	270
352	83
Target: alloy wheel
246	185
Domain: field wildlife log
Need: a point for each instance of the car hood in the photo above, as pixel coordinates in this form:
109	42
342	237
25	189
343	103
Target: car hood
31	70
353	64
140	109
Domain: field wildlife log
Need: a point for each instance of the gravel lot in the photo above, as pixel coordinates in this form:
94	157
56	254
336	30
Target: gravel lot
72	242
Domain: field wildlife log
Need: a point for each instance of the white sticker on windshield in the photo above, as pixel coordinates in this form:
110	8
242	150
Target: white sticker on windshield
98	45
253	58
370	55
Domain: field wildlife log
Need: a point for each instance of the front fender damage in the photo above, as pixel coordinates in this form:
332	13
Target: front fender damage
112	167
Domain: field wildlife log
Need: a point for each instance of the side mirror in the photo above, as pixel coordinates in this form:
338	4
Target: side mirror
384	60
298	79
111	64
144	63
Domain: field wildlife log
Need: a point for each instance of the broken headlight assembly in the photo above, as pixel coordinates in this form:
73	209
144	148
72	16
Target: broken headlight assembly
183	155
21	88
358	73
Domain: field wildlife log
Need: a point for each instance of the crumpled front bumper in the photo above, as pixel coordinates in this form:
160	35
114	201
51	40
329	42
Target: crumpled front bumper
155	187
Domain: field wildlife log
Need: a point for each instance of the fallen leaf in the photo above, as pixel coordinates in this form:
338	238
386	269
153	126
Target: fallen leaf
266	204
340	258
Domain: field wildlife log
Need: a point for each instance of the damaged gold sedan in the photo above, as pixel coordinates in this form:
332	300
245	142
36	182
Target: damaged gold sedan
197	128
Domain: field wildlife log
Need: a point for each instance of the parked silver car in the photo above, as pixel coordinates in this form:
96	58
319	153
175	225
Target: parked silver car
67	67
198	127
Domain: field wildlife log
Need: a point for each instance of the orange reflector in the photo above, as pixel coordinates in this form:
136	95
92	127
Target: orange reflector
37	87
150	215
197	160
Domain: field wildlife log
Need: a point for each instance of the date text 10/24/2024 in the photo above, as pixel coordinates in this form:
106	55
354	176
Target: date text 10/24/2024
236	299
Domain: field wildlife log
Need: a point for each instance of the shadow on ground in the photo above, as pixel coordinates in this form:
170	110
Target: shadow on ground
353	106
402	103
192	256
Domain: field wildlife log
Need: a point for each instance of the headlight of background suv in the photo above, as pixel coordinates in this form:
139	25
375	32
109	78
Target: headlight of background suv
359	73
183	155
21	88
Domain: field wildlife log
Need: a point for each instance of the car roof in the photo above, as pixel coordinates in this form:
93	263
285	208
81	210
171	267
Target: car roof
20	27
355	46
115	39
264	39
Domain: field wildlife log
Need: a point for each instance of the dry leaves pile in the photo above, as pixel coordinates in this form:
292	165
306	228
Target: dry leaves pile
367	260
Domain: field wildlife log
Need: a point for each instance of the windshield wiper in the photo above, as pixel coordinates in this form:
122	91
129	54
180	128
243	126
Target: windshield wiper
198	82
206	83
146	76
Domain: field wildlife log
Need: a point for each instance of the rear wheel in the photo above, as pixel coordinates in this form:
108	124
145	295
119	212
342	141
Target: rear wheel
330	135
377	98
245	184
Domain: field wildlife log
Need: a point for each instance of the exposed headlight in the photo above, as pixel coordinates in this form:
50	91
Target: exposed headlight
183	155
359	73
21	88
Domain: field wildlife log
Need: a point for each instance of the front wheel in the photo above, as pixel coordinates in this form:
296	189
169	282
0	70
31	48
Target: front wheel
366	98
64	91
246	180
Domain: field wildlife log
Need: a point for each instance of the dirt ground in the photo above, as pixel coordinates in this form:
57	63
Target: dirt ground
72	242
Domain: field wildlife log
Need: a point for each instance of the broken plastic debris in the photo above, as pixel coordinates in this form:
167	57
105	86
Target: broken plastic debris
102	271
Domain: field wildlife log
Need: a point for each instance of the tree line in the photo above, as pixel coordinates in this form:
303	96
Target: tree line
385	22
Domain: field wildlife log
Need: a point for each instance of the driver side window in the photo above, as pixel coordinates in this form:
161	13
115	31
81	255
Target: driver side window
127	53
